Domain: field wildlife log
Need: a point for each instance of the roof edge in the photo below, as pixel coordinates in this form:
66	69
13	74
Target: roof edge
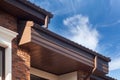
71	43
35	7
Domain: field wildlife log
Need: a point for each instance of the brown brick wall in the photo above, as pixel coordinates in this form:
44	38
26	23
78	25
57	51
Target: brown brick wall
20	57
83	75
21	64
8	21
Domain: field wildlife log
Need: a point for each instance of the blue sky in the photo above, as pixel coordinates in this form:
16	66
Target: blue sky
91	23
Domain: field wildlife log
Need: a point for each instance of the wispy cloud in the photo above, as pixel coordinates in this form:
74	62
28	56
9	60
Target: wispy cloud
111	24
59	7
68	6
81	31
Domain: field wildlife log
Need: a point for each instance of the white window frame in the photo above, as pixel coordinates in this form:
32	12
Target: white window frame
6	37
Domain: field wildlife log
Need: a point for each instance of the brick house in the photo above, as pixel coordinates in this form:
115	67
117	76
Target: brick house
29	51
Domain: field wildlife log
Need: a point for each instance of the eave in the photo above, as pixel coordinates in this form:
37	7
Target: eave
49	51
24	10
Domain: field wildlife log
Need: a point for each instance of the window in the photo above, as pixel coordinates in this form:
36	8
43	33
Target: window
34	77
2	63
6	37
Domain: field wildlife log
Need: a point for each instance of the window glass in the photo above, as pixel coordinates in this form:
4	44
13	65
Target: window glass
33	77
1	63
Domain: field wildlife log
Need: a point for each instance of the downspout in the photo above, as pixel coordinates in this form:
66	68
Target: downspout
94	69
46	21
95	64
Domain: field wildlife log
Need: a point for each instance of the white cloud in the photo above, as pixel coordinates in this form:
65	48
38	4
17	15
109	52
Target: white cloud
114	64
82	32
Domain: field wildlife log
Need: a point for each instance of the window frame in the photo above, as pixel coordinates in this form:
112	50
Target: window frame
6	37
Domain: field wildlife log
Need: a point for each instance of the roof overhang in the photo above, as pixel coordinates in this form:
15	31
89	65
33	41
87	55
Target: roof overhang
55	54
94	77
24	10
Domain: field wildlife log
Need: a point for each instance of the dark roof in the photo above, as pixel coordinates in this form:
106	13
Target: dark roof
109	78
25	10
35	7
72	43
